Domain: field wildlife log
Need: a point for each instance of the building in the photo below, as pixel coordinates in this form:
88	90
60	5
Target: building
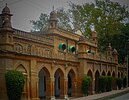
54	62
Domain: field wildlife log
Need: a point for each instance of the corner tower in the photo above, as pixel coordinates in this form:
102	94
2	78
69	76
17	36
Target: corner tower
6	31
53	19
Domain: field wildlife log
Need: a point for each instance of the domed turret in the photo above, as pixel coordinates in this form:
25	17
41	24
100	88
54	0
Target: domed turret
115	52
6	18
53	19
53	15
94	36
109	47
6	10
109	50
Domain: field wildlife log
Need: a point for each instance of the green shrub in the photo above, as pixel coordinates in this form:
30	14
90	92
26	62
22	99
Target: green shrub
15	81
109	83
124	82
102	83
86	82
119	82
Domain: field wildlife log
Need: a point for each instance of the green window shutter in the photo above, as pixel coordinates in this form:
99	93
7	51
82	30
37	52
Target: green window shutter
72	49
62	46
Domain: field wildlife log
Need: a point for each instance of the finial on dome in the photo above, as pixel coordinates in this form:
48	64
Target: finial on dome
109	47
53	8
6	10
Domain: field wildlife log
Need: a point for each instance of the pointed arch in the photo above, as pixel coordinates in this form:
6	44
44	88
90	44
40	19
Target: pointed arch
59	82
114	81
121	74
103	73
22	69
43	87
118	74
97	75
109	73
71	82
90	74
113	74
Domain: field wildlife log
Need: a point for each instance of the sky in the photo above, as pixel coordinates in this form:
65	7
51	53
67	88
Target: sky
25	10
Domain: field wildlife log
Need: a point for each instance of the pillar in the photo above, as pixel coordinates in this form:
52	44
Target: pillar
33	82
93	86
66	88
74	88
50	88
62	87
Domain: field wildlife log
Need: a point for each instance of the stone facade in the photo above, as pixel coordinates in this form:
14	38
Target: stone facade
54	62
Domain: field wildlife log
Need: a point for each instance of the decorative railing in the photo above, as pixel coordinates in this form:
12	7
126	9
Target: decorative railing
33	37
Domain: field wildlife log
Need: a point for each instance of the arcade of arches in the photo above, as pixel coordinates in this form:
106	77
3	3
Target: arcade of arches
54	62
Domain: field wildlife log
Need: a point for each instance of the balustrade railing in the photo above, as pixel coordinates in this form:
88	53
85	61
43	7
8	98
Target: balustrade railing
33	37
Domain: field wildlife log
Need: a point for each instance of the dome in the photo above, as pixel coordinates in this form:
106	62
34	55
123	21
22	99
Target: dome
53	15
115	52
6	10
109	47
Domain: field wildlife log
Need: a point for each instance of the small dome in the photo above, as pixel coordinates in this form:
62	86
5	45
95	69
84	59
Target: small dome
94	34
115	52
6	10
53	15
109	47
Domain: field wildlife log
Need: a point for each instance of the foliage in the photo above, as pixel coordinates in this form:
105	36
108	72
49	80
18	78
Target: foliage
102	83
64	19
41	24
86	82
111	22
109	83
109	19
124	82
119	82
15	81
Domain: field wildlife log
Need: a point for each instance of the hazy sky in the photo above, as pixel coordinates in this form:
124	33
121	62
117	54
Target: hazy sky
25	10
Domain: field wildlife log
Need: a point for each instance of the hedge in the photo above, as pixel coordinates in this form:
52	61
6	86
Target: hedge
15	81
86	82
119	82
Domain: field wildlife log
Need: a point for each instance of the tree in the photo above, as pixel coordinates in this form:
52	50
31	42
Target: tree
119	82
106	17
109	83
42	23
86	82
83	17
112	21
102	83
15	81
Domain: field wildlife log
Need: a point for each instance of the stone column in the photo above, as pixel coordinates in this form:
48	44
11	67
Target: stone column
66	88
74	87
33	82
62	87
93	86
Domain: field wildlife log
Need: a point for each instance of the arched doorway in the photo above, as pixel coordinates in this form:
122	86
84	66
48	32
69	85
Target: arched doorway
109	73
121	74
97	75
22	69
114	81
118	74
59	83
91	86
103	73
71	83
44	76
